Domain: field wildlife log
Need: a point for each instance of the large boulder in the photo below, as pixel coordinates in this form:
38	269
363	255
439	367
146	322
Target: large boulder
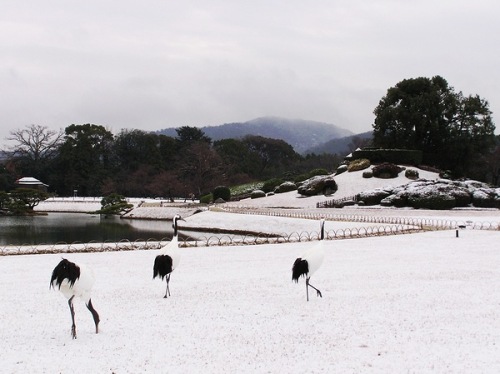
319	184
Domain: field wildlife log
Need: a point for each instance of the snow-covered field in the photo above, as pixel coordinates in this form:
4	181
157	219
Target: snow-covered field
413	303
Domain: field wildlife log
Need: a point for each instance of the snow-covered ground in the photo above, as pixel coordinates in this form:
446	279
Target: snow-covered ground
417	303
414	303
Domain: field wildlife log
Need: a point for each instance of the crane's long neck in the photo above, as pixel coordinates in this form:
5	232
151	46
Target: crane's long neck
175	227
322	230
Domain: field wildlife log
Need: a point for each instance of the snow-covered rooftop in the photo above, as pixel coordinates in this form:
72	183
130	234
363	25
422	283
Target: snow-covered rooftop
30	181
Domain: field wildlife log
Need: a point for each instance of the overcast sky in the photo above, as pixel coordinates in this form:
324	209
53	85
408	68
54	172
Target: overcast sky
155	64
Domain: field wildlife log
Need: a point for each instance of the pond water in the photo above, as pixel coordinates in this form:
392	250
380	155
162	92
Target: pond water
79	227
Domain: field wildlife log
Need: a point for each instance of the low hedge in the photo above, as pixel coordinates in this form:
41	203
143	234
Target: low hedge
397	156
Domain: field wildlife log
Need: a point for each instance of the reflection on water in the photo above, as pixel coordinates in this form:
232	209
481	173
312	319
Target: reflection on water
78	227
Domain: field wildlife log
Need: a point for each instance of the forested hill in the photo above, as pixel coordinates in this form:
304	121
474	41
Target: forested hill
302	135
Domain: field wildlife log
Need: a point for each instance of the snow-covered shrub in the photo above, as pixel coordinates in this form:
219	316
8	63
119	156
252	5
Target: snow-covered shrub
271	184
367	174
461	194
462	197
434	194
310	174
359	164
320	184
221	192
373	197
411	174
386	170
286	187
446	174
257	193
318	171
341	169
484	198
398	156
436	201
398	200
472	184
206	199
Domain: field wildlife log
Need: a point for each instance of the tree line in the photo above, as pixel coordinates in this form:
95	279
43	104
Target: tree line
92	161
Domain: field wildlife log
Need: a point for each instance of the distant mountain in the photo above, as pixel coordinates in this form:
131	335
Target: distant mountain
300	134
341	146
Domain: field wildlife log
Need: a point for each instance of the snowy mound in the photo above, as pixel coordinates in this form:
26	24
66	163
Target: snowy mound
348	185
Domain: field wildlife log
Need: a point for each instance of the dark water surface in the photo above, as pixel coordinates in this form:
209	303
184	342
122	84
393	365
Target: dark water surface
79	227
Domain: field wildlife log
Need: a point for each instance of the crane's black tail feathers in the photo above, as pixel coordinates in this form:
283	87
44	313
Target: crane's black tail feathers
300	268
65	270
162	266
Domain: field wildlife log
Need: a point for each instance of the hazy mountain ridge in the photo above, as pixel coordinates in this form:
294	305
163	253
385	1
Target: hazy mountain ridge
302	135
340	146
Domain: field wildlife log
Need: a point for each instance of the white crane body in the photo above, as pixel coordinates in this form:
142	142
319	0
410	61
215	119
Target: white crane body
310	261
75	281
169	257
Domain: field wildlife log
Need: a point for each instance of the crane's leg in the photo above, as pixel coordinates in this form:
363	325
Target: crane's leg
167	292
310	285
307	288
94	314
72	310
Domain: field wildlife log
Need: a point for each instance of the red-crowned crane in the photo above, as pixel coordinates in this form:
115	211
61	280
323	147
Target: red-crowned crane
75	281
168	259
310	261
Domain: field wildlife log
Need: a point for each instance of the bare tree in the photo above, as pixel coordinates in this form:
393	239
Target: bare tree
35	144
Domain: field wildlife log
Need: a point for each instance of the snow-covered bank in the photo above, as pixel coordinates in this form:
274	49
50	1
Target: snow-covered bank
70	205
142	208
